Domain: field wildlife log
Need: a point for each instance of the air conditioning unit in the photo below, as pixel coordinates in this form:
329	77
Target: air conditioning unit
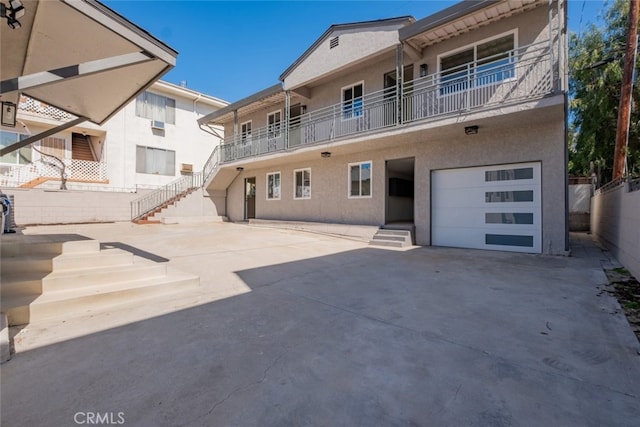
187	168
157	124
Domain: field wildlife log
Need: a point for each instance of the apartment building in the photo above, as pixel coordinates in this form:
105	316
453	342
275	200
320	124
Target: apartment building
454	124
152	141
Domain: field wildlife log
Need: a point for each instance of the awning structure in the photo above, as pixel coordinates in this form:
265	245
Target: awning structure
78	56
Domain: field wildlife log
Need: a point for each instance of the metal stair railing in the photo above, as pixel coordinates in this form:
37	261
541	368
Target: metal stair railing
164	195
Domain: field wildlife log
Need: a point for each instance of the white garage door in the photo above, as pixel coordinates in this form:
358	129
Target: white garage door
490	207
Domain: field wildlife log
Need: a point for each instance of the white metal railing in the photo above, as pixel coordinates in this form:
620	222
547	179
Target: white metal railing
165	194
373	111
506	78
520	74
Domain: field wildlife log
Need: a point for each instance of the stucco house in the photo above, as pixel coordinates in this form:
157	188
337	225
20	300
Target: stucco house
454	124
153	141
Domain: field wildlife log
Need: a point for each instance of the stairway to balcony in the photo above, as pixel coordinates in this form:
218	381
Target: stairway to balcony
52	277
155	216
80	148
144	208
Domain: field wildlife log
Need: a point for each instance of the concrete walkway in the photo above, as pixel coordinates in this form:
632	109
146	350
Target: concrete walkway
292	328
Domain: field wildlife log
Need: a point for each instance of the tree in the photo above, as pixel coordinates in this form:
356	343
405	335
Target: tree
595	67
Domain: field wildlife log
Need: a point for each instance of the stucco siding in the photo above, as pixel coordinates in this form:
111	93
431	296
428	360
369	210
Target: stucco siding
354	46
495	144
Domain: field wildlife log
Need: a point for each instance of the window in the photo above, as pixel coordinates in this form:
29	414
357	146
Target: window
274	119
359	179
302	184
53	146
273	186
478	65
156	107
245	130
155	161
21	156
352	101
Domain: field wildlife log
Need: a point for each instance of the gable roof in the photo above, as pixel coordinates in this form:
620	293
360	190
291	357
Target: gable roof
349	26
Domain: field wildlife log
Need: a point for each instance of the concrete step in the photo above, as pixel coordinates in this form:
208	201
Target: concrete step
25	283
19	249
70	303
42	264
386	232
73	279
87	260
32	245
392	238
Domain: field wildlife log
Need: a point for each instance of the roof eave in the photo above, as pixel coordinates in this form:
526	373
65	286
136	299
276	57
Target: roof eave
445	16
265	93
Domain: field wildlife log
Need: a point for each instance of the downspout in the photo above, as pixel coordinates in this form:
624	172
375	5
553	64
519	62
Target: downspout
287	117
195	101
399	83
563	48
551	55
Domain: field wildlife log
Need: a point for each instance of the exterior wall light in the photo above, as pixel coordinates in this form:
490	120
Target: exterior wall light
239	168
325	154
471	130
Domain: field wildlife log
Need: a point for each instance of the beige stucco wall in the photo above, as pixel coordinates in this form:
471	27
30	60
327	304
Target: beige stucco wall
497	143
354	46
616	224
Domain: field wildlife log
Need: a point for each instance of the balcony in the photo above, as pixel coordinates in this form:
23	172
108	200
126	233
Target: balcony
40	171
509	78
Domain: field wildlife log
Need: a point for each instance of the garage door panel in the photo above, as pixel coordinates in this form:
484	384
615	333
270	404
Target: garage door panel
495	207
474	238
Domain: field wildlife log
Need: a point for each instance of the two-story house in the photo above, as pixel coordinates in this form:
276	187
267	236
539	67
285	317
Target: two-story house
454	124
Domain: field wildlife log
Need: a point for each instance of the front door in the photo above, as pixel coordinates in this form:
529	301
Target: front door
249	198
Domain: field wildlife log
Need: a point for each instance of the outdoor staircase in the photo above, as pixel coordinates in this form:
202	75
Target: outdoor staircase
150	217
35	182
43	280
80	149
394	236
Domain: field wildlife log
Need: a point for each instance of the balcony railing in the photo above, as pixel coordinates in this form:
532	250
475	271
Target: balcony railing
165	195
505	79
75	170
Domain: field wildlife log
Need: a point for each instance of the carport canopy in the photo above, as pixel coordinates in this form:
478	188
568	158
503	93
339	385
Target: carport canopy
78	56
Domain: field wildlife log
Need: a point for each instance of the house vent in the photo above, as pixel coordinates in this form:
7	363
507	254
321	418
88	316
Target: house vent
334	42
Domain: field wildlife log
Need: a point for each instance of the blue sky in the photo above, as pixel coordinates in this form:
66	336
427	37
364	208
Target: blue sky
231	49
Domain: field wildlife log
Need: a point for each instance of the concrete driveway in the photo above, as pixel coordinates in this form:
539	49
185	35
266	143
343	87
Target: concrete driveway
298	329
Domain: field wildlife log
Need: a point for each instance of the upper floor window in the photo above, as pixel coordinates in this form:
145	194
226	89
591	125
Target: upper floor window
21	156
360	179
54	146
352	101
274	120
481	64
156	107
245	130
155	161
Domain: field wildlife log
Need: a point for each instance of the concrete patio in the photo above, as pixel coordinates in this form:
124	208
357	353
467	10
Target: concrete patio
291	328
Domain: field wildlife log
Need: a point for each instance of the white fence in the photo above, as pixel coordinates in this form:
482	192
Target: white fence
75	170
